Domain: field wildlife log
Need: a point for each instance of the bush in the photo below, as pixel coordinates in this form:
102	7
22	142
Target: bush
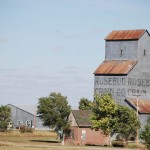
121	143
145	134
120	137
29	130
24	129
5	114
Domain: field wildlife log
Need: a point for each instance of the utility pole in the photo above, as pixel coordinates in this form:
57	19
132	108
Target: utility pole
137	115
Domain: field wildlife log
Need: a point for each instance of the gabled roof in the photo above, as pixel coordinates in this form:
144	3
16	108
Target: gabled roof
115	67
23	109
125	35
143	104
82	117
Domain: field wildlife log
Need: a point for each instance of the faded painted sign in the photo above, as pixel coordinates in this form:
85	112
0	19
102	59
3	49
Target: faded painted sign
121	86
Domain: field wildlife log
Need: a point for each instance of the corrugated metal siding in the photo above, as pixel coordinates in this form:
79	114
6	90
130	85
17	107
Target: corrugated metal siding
143	105
115	67
121	50
125	35
18	114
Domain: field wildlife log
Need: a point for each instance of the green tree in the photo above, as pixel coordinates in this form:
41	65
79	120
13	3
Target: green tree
5	115
54	111
104	110
84	104
145	134
127	123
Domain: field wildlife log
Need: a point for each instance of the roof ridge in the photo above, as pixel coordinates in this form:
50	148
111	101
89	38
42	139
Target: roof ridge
21	109
125	34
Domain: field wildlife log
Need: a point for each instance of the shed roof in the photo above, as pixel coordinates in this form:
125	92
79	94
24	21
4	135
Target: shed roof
82	117
122	67
143	104
125	35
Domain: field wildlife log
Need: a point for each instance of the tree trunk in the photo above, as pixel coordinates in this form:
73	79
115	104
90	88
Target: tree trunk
63	140
109	141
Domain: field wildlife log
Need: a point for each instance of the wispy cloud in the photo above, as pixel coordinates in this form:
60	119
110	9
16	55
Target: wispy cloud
58	32
71	34
98	30
57	48
70	70
2	40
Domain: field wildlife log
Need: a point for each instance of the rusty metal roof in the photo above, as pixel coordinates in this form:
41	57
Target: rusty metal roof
125	35
143	104
115	67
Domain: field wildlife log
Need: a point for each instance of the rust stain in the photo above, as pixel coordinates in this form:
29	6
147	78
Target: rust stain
115	67
125	35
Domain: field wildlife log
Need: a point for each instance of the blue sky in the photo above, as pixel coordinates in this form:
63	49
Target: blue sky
56	45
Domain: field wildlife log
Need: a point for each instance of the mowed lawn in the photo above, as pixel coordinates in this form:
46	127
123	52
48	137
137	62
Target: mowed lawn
42	140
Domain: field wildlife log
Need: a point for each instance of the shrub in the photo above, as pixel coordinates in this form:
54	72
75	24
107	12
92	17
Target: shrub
5	114
145	134
30	130
120	137
121	143
24	129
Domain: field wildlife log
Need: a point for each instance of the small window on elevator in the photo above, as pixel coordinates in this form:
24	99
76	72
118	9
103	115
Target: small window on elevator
144	53
121	53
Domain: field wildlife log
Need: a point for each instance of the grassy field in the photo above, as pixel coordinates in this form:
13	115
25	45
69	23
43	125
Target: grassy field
15	140
39	140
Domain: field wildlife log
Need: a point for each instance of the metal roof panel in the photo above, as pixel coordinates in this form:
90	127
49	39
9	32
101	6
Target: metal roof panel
125	35
143	104
115	67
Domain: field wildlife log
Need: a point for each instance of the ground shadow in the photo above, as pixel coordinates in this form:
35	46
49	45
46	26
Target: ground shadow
46	141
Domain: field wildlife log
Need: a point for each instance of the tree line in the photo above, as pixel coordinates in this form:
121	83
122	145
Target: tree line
107	115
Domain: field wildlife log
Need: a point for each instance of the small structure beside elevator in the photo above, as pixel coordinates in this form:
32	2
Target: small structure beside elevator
81	132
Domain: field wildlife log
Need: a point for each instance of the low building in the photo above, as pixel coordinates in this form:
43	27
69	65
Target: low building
20	116
81	132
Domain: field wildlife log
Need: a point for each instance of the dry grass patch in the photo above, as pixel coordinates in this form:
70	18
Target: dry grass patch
134	145
45	133
3	144
37	137
36	133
